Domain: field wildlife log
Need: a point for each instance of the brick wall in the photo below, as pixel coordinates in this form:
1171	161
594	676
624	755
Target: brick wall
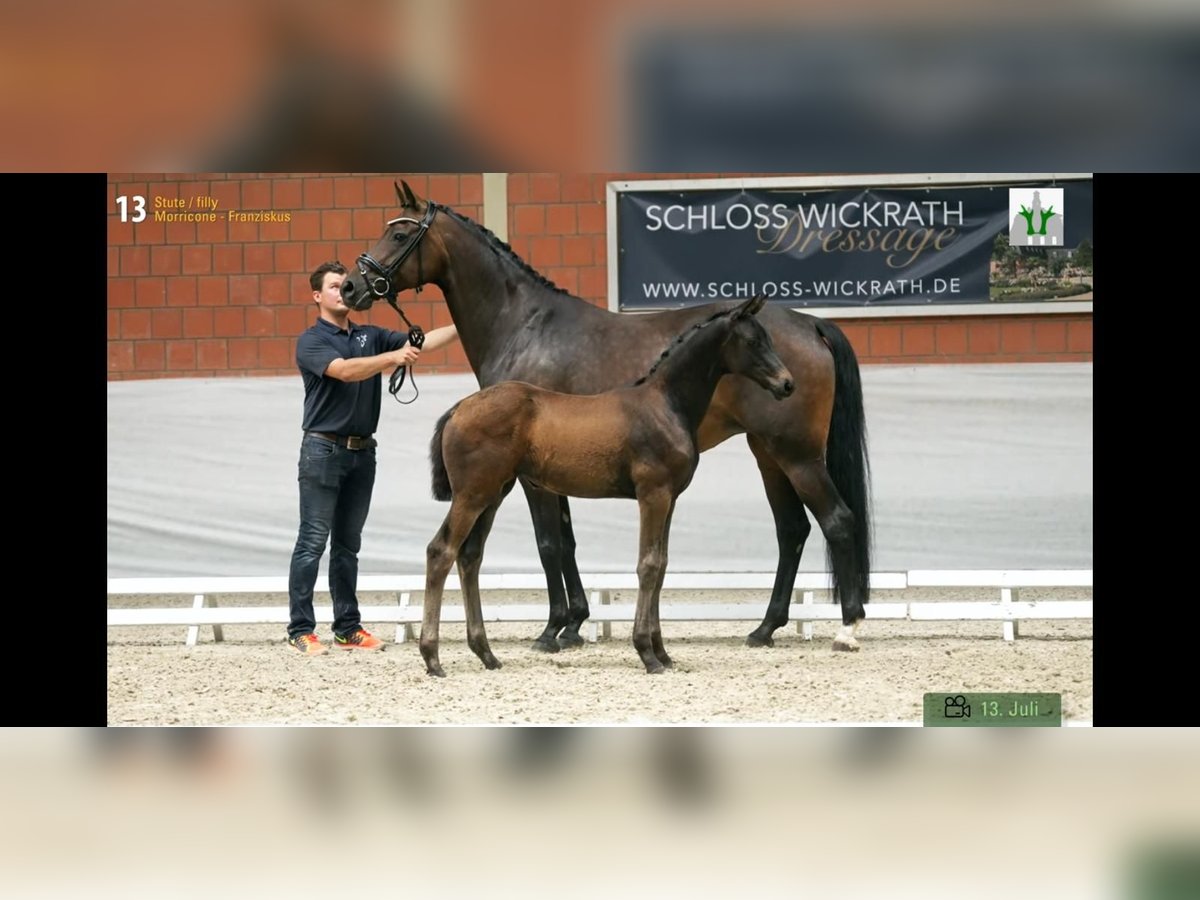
230	298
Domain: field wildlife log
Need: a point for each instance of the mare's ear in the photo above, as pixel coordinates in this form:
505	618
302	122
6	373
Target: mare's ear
408	200
750	307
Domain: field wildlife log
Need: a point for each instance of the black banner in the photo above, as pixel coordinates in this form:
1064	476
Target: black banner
875	247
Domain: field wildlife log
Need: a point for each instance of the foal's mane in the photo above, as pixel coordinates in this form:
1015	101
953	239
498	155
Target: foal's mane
680	339
504	249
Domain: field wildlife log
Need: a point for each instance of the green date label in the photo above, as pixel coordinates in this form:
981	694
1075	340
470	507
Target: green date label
1003	710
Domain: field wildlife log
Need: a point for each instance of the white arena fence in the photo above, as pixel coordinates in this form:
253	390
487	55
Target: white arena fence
1002	603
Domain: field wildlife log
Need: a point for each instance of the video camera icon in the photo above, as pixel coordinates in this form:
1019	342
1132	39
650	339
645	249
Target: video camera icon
957	707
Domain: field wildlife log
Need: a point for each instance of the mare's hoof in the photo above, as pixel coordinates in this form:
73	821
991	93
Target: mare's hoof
550	646
570	641
491	662
655	670
755	640
850	646
436	671
667	662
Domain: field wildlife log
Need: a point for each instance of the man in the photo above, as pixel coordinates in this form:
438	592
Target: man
341	363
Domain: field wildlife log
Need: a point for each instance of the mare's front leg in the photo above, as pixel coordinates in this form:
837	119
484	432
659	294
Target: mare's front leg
654	507
543	507
470	557
577	604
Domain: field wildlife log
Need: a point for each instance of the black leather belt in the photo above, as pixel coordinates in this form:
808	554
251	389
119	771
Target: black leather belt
349	441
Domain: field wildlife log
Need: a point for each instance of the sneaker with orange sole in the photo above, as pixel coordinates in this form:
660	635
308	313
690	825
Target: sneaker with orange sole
360	640
308	644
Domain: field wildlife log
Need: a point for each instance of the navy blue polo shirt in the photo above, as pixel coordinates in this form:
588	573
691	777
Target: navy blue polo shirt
335	406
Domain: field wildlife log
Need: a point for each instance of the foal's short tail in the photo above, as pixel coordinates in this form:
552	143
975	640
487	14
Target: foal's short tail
441	481
846	454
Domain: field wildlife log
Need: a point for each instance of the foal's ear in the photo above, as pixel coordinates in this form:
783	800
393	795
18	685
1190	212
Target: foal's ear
407	198
750	307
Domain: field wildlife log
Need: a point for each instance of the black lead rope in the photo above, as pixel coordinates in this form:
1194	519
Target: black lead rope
416	337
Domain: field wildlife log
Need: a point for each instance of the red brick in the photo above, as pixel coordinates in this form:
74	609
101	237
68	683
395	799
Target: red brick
260	258
121	293
567	279
560	218
287	195
120	356
545	251
135	324
292	320
858	334
197	260
229	322
1049	336
577	251
135	260
529	220
380	192
347	252
119	233
885	340
951	338
544	188
164	260
256	195
573	188
443	189
181	232
521	246
600	248
276	353
470	189
289	257
305	225
274	289
114	324
149	232
227	259
211	355
300	290
1079	336
318	193
166	323
228	195
244	290
335	225
114	261
518	189
181	355
349	191
214	291
197	323
260	321
151	292
917	340
181	291
983	337
149	356
274	231
212	232
591	218
593	283
367	224
243	232
243	354
1016	337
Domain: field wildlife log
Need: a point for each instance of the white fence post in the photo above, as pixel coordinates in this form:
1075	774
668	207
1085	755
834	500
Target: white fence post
193	634
404	630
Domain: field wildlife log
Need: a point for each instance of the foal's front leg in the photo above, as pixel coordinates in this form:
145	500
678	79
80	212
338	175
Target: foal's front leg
655	509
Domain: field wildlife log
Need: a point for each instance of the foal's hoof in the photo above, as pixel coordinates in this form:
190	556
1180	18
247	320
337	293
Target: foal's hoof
435	670
550	646
849	646
490	662
754	639
655	670
568	641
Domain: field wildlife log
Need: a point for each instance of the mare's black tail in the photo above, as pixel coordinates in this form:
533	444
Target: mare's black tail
846	455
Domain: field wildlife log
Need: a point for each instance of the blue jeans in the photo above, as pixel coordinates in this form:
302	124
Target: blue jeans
335	496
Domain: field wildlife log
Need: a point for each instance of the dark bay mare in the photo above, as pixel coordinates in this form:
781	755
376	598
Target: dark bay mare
517	326
638	442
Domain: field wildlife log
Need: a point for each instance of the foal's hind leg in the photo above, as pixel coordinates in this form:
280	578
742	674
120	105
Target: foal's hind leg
792	529
470	556
543	507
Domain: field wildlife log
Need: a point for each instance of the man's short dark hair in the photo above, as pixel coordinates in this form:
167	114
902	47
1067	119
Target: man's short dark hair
317	279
